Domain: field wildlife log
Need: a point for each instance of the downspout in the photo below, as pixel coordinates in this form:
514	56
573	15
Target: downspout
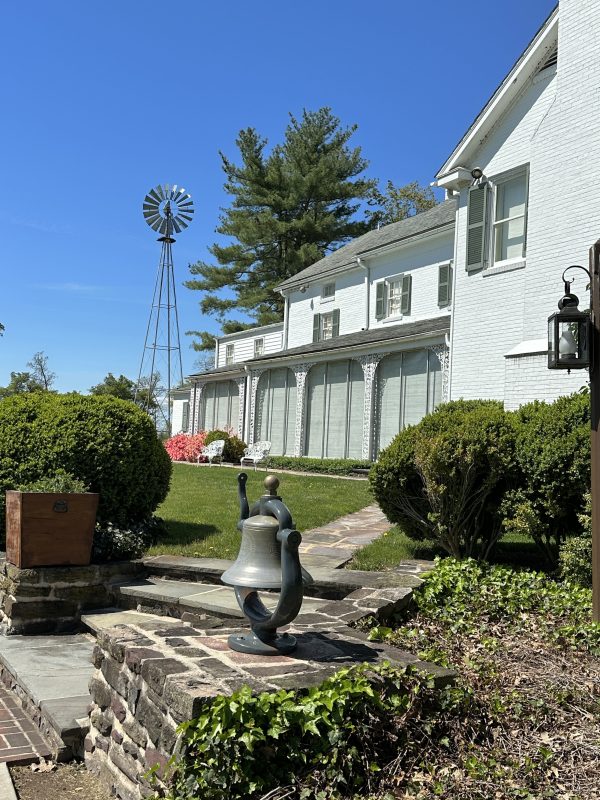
450	339
286	319
367	270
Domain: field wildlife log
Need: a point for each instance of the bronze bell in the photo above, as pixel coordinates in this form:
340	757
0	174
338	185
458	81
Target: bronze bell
258	564
268	559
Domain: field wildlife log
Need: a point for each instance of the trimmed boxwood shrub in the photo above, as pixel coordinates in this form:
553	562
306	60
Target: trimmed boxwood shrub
553	454
234	447
109	444
327	466
445	478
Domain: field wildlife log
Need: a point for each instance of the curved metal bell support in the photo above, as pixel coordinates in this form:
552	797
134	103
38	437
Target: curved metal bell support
263	638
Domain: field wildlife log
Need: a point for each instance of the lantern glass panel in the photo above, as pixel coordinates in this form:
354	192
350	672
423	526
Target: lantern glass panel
568	340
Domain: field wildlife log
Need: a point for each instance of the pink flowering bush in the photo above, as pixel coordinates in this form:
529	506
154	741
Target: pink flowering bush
184	446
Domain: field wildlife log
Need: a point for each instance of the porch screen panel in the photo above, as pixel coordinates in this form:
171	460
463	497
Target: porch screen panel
234	406
208	407
389	385
335	419
434	395
414	386
276	410
356	410
315	411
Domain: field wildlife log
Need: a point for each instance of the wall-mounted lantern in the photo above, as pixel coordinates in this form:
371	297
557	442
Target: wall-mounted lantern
569	333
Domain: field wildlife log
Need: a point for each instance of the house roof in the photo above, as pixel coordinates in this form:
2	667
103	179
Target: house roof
238	367
533	57
440	216
406	330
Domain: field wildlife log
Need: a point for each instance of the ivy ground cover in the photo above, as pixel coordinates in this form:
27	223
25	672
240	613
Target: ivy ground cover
202	509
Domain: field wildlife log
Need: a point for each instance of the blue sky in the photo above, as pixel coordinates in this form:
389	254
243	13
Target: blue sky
102	101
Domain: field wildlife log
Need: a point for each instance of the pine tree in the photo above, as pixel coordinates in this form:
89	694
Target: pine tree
289	208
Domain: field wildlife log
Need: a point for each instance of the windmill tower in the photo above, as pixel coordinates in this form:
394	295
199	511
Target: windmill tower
167	210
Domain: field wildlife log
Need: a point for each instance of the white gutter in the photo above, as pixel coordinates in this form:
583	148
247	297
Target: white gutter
286	320
247	400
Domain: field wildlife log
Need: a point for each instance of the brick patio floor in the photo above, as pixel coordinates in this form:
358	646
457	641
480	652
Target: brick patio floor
20	740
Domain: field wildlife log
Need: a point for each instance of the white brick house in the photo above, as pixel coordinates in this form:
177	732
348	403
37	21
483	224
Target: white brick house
451	303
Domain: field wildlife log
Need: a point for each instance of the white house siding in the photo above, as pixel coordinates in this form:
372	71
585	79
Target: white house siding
421	260
349	298
180	415
490	308
243	343
528	378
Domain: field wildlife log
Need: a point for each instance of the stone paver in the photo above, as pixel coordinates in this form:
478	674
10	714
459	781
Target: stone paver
20	740
336	542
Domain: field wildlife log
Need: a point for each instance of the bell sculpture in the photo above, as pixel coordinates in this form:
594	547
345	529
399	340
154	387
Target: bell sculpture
268	559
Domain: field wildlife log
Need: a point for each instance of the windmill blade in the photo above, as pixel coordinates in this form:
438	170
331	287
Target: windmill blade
186	215
176	226
160	191
167	190
185	203
150	211
150	202
153	195
156	225
152	221
181	224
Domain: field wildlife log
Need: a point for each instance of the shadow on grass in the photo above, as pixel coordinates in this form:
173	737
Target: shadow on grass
184	533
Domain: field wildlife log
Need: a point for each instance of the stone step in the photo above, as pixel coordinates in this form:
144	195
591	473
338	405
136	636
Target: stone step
178	597
329	582
50	675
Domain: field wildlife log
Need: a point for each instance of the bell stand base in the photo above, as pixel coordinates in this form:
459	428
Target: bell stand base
279	645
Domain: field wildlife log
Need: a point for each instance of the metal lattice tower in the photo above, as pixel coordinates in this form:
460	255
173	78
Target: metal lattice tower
167	209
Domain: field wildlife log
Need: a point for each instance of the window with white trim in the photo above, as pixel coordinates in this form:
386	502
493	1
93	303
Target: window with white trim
328	291
509	238
259	347
394	298
229	354
326	327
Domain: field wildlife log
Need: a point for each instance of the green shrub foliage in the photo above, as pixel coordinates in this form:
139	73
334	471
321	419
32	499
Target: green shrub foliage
324	743
575	558
553	454
112	543
108	444
234	447
327	466
61	482
445	478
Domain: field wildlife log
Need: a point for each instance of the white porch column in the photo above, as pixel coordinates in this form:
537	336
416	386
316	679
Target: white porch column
199	388
241	384
300	371
369	364
254	379
443	355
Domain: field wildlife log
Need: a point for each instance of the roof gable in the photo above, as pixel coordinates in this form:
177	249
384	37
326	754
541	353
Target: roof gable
540	53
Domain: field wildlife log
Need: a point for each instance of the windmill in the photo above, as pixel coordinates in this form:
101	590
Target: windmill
167	210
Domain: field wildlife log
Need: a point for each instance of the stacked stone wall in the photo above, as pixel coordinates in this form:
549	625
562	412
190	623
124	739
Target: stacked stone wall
52	599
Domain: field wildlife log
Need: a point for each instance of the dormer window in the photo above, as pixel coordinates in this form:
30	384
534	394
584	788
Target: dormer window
328	291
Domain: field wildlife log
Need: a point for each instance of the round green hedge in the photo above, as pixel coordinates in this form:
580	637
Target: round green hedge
109	444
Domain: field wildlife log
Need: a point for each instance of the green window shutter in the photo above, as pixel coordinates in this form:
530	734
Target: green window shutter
444	284
316	328
406	294
476	226
381	300
336	323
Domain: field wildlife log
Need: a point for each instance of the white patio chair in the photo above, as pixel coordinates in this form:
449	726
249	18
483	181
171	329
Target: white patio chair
257	452
212	451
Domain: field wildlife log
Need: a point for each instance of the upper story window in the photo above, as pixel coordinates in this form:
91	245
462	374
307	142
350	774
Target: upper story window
328	291
229	354
499	237
259	347
326	326
510	218
393	297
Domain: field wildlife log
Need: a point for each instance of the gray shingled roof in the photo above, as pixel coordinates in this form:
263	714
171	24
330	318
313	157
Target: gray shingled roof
405	330
238	367
437	217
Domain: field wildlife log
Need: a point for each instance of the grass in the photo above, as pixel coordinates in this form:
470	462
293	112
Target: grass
202	510
395	546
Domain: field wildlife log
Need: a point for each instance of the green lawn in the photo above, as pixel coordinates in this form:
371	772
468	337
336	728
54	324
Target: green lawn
394	546
202	510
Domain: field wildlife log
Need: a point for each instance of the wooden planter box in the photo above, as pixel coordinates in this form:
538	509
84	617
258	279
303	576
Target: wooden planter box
49	529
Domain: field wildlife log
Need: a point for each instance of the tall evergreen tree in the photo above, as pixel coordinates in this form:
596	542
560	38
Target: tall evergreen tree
289	208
